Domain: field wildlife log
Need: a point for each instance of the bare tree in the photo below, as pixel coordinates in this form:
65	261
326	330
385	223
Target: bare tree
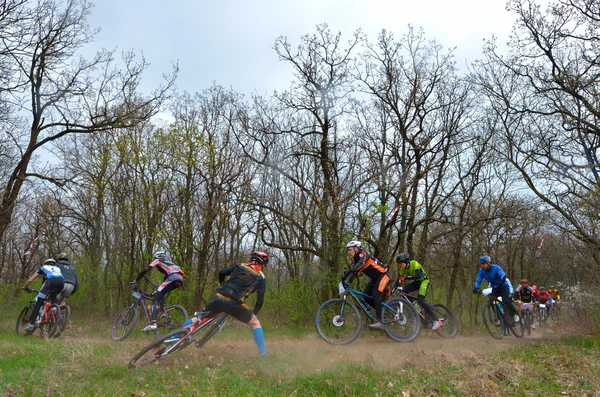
64	94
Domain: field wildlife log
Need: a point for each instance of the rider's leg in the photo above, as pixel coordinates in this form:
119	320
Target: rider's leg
259	337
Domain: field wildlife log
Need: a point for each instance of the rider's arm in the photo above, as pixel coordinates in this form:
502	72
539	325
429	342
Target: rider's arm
479	279
223	273
260	298
31	279
142	273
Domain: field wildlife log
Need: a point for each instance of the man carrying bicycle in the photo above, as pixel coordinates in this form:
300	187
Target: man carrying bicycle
173	279
412	270
372	268
524	293
238	282
496	277
53	283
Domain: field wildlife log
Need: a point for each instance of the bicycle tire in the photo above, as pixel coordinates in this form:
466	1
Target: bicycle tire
400	320
492	320
171	319
159	348
517	329
215	325
450	327
50	325
65	315
335	326
23	319
124	323
527	321
542	318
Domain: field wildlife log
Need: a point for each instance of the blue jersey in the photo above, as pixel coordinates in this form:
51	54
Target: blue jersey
493	275
50	271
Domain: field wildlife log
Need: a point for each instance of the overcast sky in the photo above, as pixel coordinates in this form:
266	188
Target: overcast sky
230	42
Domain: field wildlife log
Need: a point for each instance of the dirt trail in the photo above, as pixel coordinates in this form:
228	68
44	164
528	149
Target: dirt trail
310	354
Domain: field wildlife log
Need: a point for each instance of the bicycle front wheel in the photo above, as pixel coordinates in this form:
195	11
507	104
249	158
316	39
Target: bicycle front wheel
492	320
49	327
23	319
400	320
527	321
338	322
443	313
124	323
172	318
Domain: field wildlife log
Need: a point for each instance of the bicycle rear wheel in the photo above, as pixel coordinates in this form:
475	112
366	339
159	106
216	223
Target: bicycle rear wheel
171	319
49	326
492	320
518	328
400	320
124	323
161	348
450	327
338	322
65	315
23	319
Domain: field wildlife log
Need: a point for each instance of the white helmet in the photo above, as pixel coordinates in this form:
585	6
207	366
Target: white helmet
354	243
160	255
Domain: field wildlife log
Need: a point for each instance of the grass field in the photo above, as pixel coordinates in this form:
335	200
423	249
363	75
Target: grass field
85	362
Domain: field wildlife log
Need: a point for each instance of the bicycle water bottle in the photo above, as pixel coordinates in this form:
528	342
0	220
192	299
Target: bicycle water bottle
500	307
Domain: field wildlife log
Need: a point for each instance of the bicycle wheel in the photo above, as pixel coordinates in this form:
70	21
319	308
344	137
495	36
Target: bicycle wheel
527	321
161	347
23	319
211	329
171	319
518	328
542	318
65	314
49	326
492	320
400	320
124	323
450	327
338	322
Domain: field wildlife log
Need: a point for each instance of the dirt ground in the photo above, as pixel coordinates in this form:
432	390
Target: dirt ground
310	354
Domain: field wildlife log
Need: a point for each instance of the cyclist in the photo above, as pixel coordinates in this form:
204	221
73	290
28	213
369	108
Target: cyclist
173	279
496	277
554	296
244	279
372	268
70	275
413	270
543	296
524	293
53	284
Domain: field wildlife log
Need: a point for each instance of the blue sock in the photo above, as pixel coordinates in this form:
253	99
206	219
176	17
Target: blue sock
259	338
187	322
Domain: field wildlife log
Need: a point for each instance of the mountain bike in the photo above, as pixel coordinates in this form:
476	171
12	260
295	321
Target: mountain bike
339	322
496	318
441	312
526	315
203	330
47	320
169	317
542	314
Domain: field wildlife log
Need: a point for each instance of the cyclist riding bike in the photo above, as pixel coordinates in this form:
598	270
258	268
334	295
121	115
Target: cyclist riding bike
524	293
244	279
543	296
53	284
554	296
496	278
372	268
413	270
173	279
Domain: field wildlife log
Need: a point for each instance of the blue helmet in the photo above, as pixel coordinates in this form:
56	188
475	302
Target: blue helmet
485	258
403	257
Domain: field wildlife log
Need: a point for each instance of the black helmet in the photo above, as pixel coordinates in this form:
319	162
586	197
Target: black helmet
403	257
259	257
63	255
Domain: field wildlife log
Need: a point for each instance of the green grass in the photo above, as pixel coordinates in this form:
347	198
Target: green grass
92	365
